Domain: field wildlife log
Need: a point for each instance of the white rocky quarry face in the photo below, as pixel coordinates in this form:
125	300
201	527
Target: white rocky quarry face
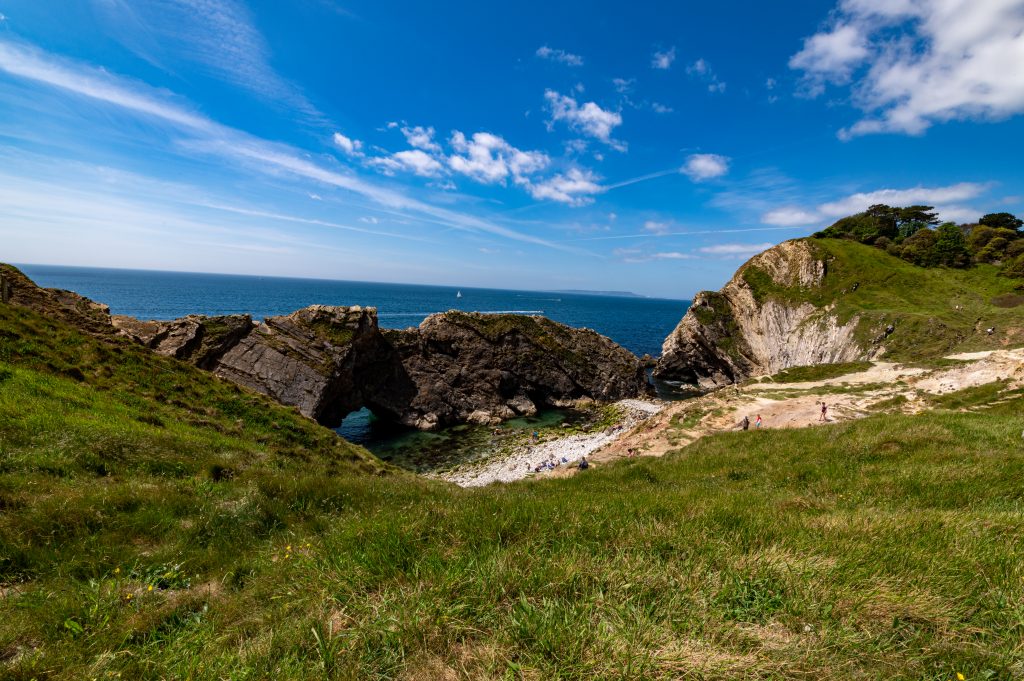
728	336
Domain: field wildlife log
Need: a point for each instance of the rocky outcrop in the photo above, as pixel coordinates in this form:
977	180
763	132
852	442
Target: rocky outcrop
485	368
328	361
761	322
197	339
18	290
455	368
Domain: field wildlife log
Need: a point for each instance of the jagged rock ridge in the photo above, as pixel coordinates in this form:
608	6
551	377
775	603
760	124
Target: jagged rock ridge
729	335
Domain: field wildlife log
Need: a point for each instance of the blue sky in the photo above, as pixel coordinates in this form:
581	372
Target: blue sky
597	145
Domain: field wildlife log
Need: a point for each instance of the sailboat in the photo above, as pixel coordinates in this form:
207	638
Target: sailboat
459	294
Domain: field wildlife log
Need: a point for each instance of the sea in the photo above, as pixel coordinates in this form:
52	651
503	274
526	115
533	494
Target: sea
637	323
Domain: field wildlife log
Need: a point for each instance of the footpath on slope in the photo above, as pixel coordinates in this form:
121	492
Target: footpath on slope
655	428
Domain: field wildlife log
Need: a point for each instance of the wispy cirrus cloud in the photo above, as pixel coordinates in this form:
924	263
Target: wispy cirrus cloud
218	37
228	144
561	56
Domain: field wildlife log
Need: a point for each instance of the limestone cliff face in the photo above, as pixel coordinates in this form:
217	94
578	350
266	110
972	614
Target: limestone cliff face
485	368
761	322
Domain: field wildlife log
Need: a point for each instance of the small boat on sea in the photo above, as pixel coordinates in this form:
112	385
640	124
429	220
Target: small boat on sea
459	294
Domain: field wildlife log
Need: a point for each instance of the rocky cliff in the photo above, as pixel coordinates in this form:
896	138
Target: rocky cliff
485	368
773	314
328	361
454	368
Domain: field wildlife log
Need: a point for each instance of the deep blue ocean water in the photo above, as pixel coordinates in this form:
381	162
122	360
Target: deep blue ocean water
638	324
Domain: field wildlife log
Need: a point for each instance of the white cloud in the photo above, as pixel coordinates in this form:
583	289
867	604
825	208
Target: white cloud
656	227
700	167
770	84
947	200
421	138
735	250
576	187
702	70
661	108
831	56
790	216
672	255
489	159
588	119
348	145
663	60
415	161
931	196
316	197
623	85
561	56
914	63
370	220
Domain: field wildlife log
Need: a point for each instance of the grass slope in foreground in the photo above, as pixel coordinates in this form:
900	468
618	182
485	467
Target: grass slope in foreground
936	310
158	523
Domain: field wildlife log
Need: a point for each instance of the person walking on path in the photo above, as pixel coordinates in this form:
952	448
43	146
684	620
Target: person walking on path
824	412
758	421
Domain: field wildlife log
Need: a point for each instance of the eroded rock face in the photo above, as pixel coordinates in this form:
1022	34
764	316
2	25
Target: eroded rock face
485	368
198	339
730	335
327	361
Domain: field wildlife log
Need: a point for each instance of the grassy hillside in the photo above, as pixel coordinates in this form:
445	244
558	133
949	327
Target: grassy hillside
936	310
157	523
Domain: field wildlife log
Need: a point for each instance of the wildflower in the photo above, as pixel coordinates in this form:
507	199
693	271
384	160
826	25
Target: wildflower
117	571
150	588
128	597
959	676
288	548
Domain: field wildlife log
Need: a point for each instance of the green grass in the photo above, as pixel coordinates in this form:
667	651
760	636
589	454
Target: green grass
818	372
936	311
891	547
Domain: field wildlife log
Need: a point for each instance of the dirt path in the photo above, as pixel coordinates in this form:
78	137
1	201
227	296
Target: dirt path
883	387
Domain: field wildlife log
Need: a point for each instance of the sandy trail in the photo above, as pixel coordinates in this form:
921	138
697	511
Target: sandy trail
798	405
655	428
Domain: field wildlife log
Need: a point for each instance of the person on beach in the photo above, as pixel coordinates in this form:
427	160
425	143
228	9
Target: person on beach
758	421
745	423
583	464
824	412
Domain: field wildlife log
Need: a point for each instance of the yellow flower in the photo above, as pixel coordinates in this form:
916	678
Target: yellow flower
959	676
128	597
117	571
288	548
150	588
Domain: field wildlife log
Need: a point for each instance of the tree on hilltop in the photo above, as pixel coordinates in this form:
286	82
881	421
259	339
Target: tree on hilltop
1004	220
